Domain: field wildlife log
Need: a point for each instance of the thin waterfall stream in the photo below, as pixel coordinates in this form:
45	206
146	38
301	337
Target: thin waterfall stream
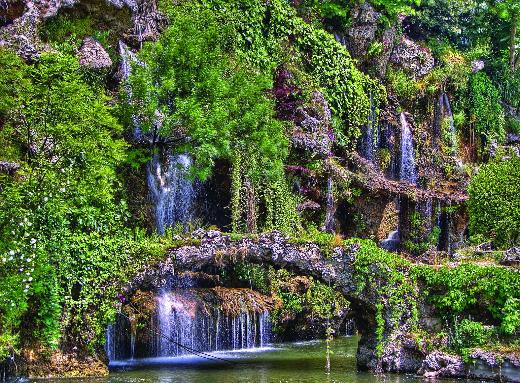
171	189
408	170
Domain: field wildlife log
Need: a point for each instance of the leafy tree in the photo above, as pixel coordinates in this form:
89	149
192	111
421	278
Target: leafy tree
509	12
485	106
59	218
192	93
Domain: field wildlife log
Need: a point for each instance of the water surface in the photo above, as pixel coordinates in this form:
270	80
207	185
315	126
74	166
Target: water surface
279	363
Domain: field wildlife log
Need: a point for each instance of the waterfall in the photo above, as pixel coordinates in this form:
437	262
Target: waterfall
171	189
367	138
350	327
391	243
182	322
452	139
408	170
330	209
444	223
444	124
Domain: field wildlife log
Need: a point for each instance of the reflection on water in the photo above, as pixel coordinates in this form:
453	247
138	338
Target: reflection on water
281	363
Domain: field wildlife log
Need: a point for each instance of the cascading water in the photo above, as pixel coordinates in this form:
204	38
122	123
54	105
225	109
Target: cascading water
448	116
391	243
367	137
330	208
408	171
183	324
171	189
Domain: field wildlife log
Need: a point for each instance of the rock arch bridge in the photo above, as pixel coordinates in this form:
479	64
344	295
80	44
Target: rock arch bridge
390	351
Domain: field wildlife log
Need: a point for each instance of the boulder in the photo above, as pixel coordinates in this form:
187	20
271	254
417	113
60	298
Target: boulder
92	55
412	57
363	30
313	130
439	364
511	257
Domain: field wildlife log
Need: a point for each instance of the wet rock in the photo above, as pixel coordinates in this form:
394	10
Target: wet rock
513	138
482	365
412	57
477	65
363	31
19	31
403	355
438	364
9	167
313	131
511	257
488	365
388	39
21	35
92	55
10	10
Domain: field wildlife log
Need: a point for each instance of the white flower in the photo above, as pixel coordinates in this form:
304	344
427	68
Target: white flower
62	190
45	199
30	279
33	241
11	252
25	219
4	259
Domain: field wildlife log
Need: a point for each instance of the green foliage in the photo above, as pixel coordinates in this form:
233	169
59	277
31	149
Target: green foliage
485	107
468	334
216	106
494	203
488	290
402	85
317	300
265	30
63	28
64	249
66	33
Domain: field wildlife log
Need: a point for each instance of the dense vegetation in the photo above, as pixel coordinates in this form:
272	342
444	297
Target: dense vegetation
69	240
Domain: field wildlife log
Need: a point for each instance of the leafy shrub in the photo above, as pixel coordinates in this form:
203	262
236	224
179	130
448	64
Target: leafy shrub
492	291
494	203
468	334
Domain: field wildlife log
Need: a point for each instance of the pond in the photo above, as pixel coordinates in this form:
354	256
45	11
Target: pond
278	363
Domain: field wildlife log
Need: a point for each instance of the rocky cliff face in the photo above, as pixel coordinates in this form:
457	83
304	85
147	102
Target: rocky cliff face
133	20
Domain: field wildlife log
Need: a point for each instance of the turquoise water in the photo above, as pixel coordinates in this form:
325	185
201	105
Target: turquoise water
280	363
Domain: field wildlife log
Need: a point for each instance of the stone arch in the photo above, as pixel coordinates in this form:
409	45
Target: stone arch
336	267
